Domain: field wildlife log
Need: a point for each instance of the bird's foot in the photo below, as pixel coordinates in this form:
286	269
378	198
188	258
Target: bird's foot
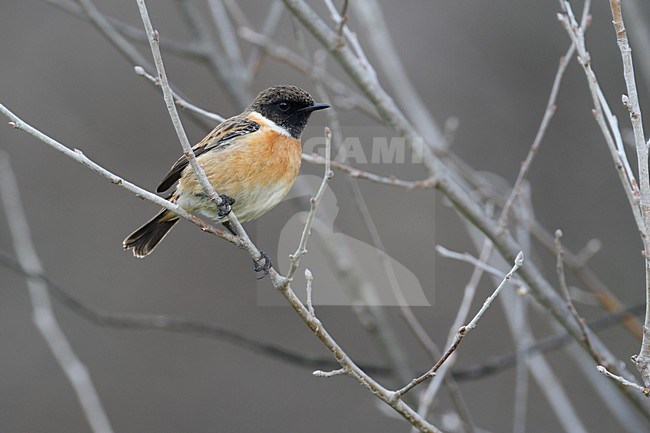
225	206
227	225
257	267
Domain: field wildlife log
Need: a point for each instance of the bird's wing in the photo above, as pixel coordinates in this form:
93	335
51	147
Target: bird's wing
219	138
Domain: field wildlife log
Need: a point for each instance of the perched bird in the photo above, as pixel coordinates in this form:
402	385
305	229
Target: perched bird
252	159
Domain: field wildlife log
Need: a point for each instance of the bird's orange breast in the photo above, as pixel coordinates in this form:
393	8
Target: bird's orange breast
257	170
261	158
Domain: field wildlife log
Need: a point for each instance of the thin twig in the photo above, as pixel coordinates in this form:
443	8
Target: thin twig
604	117
559	268
178	99
352	369
338	372
463	331
78	156
306	232
469	292
351	37
631	102
541	132
343	20
372	177
468	258
501	362
168	95
310	280
624	381
587	276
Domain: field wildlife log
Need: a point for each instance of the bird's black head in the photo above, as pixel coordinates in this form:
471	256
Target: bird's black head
287	106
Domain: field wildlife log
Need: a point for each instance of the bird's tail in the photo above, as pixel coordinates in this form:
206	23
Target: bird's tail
145	239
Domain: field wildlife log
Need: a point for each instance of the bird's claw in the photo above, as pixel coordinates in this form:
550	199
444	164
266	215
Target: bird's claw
225	206
257	267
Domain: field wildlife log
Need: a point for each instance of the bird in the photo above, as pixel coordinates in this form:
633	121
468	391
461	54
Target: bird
251	159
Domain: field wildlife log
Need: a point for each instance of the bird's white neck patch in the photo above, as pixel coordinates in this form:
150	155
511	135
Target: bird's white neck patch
257	117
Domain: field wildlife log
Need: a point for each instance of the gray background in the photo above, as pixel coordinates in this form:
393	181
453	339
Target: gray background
490	64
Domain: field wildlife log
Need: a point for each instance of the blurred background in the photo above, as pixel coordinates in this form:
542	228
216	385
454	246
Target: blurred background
490	65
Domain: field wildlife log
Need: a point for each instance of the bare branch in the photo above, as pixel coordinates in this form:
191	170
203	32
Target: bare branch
340	371
78	156
352	369
344	17
624	381
350	36
178	99
463	331
541	132
306	232
631	102
361	174
567	294
43	314
499	363
604	117
468	258
606	297
310	279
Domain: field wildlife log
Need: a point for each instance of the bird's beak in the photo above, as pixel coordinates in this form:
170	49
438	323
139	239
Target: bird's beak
316	106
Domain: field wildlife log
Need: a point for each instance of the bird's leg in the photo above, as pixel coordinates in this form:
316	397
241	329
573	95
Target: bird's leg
257	267
227	225
225	206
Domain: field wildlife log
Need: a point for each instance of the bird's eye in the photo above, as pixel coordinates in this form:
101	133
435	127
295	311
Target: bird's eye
283	106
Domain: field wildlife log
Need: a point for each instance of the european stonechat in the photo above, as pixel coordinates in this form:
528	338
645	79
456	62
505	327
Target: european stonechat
252	159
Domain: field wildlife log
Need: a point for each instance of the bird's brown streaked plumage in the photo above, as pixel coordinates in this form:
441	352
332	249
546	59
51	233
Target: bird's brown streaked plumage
253	158
222	135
